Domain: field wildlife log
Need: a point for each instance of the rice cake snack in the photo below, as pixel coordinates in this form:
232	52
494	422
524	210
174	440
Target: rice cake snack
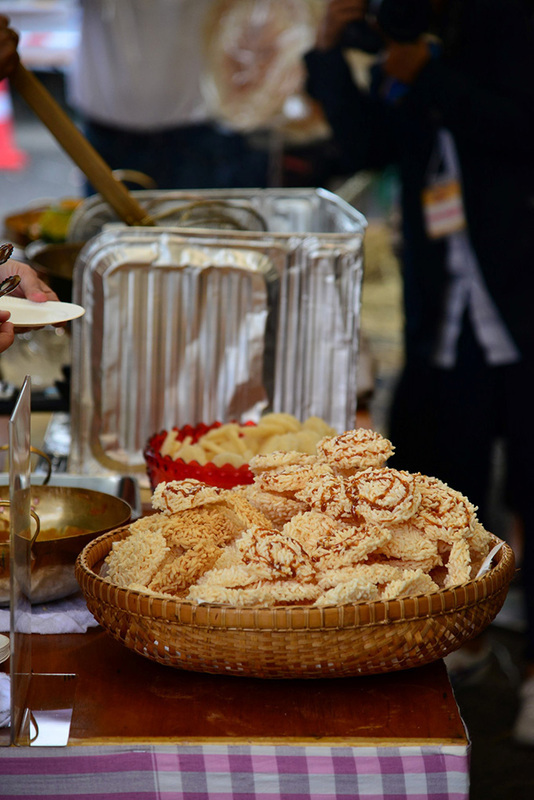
444	513
384	495
260	564
333	543
355	450
277	507
181	495
168	551
330	494
292	479
331	528
279	460
409	544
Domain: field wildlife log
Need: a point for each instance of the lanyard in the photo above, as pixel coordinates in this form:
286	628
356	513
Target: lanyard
443	209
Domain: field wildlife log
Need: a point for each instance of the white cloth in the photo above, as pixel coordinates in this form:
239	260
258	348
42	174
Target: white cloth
5	699
467	290
139	63
69	615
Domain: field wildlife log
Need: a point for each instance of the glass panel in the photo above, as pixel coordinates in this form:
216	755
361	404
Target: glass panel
20	554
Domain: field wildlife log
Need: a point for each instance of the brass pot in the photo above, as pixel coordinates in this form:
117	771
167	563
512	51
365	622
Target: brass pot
69	518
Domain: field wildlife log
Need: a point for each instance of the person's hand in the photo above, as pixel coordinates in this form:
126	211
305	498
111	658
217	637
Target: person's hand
30	286
7	331
9	39
405	60
338	14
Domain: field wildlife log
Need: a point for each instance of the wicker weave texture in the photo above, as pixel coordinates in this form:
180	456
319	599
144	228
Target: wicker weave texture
293	642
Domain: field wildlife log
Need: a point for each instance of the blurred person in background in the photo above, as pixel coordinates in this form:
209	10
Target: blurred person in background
30	285
450	102
136	84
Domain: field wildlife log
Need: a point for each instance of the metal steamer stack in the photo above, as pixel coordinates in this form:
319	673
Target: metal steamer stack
233	303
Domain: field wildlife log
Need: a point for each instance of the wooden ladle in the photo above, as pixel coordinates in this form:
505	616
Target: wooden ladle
77	147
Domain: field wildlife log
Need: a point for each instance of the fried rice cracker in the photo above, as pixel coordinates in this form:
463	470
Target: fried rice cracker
279	460
136	558
372	582
331	495
412	583
272	555
351	591
175	496
278	508
480	542
262	594
330	543
355	450
385	496
196	540
267	567
443	513
291	479
167	552
459	564
408	543
375	574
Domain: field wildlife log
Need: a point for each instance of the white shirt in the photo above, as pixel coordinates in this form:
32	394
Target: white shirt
139	63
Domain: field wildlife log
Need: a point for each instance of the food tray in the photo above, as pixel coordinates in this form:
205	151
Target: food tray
184	325
293	642
279	210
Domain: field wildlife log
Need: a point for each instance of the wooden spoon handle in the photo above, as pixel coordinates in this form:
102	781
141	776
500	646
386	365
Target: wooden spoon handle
78	148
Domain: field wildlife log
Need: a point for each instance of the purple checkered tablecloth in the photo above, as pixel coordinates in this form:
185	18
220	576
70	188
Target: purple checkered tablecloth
236	772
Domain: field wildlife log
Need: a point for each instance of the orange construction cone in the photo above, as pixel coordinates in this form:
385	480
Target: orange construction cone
10	155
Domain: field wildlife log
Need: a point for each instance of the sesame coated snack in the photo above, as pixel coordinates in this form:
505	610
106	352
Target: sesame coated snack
325	529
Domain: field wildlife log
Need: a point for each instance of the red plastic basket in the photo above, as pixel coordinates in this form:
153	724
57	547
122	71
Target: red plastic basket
164	468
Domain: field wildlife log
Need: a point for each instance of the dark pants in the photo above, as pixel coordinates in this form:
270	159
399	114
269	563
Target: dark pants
190	157
445	422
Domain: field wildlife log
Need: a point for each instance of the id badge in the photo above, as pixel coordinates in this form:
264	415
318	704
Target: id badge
443	209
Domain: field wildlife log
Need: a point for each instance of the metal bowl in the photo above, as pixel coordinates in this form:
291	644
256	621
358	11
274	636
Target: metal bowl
69	519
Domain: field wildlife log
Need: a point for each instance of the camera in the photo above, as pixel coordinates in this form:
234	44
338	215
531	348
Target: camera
400	20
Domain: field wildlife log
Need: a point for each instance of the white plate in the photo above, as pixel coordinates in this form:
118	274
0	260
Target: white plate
4	648
27	314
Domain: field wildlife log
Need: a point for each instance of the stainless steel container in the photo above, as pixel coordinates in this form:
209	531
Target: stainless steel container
188	325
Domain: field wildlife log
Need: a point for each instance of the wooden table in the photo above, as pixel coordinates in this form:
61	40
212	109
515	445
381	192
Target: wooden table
144	730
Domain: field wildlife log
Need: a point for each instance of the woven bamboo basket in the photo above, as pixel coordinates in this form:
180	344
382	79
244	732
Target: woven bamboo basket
292	641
